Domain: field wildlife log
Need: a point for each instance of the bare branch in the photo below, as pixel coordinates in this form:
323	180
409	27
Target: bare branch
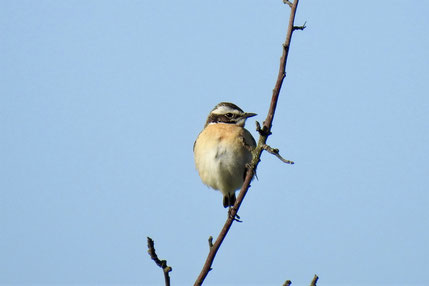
231	218
264	133
282	69
275	152
314	281
161	263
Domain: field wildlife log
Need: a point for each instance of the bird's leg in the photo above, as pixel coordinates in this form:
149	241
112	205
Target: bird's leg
236	217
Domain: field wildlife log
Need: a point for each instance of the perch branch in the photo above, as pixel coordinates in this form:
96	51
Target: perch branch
161	263
266	131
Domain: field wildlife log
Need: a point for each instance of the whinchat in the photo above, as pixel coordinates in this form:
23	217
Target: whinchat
223	150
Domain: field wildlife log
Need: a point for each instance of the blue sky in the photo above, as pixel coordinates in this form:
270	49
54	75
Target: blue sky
101	102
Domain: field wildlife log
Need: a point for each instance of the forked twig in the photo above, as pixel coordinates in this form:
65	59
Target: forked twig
269	149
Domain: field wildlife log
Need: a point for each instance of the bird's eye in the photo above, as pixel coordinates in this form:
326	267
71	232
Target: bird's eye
229	115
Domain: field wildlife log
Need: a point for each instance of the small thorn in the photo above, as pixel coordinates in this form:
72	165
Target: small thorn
258	127
300	27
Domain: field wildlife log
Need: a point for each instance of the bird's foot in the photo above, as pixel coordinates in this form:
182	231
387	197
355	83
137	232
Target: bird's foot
235	217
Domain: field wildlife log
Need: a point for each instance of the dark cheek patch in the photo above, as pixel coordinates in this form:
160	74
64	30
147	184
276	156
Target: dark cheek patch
224	119
217	118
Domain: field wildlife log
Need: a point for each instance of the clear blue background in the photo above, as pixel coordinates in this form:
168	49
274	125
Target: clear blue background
101	101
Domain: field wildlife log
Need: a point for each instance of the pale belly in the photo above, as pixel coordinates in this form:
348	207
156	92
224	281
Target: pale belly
222	168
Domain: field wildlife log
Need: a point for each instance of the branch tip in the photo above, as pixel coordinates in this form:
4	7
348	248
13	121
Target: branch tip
258	126
290	4
161	263
276	152
300	27
314	281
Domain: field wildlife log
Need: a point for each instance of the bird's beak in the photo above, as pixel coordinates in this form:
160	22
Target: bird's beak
247	115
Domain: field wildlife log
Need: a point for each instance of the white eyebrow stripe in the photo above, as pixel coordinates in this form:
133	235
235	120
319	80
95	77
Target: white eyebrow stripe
225	109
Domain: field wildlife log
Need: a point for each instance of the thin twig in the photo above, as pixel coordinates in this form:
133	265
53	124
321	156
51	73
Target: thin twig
161	263
275	152
210	241
300	27
314	281
282	69
288	3
256	153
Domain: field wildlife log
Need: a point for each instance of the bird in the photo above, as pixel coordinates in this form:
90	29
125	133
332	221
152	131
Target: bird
223	150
